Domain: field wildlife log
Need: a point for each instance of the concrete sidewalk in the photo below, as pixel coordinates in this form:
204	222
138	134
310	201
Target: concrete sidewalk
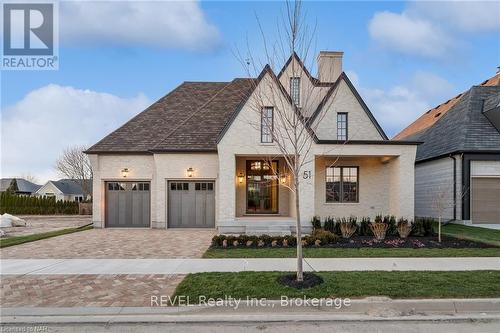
368	309
186	266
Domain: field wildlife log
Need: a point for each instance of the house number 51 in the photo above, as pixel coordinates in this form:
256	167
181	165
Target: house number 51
307	175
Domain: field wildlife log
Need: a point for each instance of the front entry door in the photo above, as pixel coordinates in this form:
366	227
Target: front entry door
262	187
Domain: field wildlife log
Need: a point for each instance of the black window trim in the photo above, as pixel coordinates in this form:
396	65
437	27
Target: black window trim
262	123
346	126
341	184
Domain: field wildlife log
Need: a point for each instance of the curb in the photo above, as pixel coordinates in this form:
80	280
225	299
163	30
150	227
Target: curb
368	309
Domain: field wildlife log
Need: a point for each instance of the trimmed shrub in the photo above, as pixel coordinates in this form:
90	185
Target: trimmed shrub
325	236
364	227
329	224
316	223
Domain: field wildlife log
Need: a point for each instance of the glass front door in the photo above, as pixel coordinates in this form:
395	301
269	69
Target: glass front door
262	187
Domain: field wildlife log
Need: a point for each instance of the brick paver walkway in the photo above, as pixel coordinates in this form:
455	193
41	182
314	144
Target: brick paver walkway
116	244
85	290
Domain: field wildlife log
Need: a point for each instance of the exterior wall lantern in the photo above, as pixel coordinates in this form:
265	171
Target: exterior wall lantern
124	172
283	178
190	172
241	176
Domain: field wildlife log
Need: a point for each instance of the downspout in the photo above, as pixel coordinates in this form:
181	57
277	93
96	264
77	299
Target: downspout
454	187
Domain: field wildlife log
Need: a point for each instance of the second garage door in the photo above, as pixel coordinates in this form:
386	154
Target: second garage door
485	200
191	204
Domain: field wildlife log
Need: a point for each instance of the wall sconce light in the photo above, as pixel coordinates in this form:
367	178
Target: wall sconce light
241	176
124	172
190	172
283	178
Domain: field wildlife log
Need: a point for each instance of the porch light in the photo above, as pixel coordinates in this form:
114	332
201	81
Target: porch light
283	178
241	176
124	172
190	172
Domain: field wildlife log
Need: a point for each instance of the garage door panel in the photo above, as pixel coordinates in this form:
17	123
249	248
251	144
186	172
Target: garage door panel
127	204
485	200
191	204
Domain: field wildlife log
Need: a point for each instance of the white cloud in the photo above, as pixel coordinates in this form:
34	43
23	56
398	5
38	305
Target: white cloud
36	129
407	34
161	24
398	106
433	28
467	16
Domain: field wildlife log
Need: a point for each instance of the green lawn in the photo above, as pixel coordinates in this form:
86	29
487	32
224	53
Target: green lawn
11	241
348	253
484	235
345	284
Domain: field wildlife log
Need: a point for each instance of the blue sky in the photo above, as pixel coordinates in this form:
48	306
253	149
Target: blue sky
403	57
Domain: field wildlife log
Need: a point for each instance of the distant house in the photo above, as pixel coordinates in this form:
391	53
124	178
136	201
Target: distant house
18	186
459	160
65	189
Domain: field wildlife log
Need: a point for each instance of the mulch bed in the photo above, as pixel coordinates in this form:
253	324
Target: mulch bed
410	242
391	242
310	280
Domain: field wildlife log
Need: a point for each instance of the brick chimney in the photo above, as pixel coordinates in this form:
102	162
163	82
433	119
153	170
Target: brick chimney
329	65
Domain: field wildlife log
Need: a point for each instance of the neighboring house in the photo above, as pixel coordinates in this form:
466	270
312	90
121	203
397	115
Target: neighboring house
192	159
459	162
64	189
18	185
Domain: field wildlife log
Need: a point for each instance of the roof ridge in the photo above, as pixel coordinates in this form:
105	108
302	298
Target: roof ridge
191	115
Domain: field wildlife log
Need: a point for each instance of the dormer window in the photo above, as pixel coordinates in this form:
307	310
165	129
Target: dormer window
342	126
295	90
266	124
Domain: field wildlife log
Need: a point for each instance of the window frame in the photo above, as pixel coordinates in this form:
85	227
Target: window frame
341	185
262	124
292	79
346	126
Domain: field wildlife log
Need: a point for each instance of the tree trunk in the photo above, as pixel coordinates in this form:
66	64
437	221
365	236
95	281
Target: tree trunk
439	229
300	271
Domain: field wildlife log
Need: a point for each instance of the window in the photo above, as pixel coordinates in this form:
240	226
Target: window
266	125
295	90
342	126
342	184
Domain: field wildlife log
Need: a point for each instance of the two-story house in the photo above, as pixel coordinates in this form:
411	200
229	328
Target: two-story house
199	156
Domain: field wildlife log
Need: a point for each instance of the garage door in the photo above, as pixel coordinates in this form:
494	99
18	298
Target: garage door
191	204
127	204
485	200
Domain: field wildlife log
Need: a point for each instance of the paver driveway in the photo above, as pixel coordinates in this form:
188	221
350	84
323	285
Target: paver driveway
116	244
101	290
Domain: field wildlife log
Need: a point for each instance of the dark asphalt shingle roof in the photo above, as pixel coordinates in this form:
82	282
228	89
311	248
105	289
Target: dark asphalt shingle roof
188	118
23	185
463	128
71	186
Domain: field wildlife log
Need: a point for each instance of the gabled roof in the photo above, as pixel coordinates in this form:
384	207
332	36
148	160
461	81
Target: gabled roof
431	116
343	77
463	128
71	186
23	185
195	116
313	80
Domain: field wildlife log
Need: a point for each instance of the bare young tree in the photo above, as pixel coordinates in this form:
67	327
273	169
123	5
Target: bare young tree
294	122
74	164
443	200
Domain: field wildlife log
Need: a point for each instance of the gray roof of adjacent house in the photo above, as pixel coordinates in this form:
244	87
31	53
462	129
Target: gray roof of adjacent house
464	128
23	185
71	186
